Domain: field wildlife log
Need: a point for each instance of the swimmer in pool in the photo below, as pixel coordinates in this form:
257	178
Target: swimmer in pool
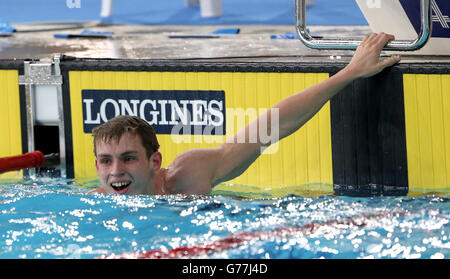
126	147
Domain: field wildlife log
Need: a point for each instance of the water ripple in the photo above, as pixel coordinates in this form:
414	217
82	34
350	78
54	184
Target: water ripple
38	220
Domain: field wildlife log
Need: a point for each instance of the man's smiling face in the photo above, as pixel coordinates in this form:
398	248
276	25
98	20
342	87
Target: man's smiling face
123	166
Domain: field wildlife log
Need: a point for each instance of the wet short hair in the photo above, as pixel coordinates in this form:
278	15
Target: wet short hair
119	125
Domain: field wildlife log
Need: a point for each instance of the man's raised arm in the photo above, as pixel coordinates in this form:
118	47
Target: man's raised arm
295	110
198	169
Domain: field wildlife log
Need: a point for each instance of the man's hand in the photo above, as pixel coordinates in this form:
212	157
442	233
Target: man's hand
366	61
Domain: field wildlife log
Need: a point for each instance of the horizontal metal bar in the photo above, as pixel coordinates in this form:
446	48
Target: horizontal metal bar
352	44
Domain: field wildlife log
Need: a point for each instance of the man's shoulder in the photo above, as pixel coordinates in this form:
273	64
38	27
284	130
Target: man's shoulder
184	179
168	180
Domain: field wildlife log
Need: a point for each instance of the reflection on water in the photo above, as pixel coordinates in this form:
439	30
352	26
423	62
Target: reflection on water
58	219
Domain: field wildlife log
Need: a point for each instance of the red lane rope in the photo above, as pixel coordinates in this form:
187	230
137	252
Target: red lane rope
235	240
28	160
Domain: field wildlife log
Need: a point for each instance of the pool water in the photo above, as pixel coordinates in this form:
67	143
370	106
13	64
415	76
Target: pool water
52	218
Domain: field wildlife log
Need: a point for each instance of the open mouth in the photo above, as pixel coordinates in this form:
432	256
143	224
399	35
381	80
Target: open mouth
120	187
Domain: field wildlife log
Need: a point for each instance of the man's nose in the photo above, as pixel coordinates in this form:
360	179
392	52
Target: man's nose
117	168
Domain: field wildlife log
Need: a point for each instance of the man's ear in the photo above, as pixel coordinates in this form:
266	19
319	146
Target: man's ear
156	160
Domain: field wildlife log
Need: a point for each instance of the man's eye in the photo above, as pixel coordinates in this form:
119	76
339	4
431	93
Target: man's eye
105	161
129	158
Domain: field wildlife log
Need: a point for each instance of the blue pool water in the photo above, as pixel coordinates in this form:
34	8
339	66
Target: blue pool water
58	219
